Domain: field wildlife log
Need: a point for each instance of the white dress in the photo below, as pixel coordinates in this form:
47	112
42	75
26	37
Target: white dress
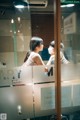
30	61
62	58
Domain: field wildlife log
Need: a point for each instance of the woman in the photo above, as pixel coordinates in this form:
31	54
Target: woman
36	45
51	51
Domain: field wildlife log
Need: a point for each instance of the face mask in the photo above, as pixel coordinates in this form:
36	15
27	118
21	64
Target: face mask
50	49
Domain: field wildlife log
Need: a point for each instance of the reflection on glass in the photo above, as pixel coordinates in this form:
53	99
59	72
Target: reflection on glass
70	35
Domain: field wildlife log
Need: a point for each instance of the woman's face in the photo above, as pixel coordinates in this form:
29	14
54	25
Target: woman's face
40	47
51	50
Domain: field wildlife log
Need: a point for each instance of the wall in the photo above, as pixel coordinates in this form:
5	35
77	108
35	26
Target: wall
14	37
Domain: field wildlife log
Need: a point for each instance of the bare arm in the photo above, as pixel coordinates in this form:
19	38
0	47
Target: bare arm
38	60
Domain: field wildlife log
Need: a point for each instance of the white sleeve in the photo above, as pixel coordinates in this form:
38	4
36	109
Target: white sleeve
49	61
63	59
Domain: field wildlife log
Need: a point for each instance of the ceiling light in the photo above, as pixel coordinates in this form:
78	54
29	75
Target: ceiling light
12	21
18	31
70	5
20	4
10	30
63	6
19	19
67	5
14	32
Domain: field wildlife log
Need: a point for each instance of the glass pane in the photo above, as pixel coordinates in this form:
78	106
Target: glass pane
15	33
14	101
26	92
70	72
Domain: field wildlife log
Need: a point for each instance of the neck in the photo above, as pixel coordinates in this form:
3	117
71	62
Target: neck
36	51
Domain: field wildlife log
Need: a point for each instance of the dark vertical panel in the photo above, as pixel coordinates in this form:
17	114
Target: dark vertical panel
57	61
42	26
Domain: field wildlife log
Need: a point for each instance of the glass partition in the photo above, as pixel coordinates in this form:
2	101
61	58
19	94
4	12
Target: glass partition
15	34
25	92
28	92
70	73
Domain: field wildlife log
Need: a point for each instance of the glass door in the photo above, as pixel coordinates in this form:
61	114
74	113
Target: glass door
70	65
26	92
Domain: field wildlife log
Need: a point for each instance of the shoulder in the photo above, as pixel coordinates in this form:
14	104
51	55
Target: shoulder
61	54
34	54
52	57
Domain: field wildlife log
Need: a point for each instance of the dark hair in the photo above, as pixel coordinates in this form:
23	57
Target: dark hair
35	41
27	55
53	44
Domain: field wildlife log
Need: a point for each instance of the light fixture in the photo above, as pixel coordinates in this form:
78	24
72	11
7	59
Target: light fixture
67	5
63	6
19	19
20	3
19	6
12	20
18	31
70	5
